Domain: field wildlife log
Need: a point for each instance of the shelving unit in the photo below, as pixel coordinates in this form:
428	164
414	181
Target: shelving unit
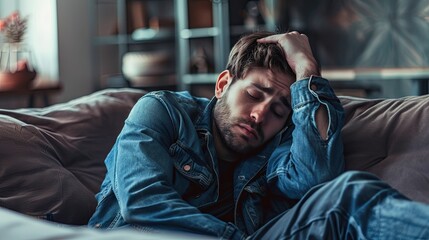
121	27
220	37
202	30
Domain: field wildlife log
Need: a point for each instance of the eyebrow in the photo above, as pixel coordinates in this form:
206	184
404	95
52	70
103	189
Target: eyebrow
270	90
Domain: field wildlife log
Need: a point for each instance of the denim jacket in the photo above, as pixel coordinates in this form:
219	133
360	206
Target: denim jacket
167	145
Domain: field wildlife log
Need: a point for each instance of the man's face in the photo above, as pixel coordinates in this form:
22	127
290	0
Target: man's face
252	110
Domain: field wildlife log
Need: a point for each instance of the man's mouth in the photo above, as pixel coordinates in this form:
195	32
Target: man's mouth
248	131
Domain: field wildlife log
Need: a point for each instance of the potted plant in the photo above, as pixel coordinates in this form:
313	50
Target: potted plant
16	70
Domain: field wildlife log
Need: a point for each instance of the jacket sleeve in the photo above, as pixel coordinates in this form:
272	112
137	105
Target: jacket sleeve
303	158
143	176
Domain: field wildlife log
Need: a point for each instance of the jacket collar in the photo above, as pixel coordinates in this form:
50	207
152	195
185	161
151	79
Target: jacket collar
204	122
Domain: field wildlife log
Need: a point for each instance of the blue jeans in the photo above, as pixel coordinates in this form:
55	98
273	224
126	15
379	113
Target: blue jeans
356	205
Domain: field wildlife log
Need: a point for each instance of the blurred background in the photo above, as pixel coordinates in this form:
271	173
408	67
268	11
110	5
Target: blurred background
367	48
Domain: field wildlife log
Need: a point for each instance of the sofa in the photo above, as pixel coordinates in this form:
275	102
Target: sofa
52	158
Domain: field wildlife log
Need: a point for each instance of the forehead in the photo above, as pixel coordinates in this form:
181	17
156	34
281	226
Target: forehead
274	82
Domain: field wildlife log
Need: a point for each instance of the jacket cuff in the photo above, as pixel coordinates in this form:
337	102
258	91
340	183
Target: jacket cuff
309	90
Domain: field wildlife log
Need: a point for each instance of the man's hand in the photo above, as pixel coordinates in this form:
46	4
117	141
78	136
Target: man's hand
297	51
300	58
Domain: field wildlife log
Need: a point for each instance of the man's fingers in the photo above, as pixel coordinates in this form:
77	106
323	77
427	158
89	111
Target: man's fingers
269	39
297	51
278	37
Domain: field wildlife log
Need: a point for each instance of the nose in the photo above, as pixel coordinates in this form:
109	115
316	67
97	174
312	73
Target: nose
259	112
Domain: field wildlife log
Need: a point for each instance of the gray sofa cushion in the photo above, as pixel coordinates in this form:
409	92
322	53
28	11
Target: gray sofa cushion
390	138
51	159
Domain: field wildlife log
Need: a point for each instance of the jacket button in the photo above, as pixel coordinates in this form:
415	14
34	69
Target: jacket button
187	168
98	225
313	87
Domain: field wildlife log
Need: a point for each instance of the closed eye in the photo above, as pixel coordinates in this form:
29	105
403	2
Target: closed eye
279	111
254	95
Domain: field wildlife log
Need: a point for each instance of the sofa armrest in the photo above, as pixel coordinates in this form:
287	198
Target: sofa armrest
52	159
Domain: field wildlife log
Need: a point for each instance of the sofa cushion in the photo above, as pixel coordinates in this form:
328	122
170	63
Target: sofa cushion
390	138
52	159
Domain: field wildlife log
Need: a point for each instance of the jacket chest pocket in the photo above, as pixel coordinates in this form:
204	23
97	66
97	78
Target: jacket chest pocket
191	171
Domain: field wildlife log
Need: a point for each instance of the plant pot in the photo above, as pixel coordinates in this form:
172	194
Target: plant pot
19	80
16	67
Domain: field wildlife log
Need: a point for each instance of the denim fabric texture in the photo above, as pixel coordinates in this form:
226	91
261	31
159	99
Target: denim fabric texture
160	154
355	205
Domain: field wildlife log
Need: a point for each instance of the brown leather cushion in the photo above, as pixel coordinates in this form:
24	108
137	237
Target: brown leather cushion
52	159
390	138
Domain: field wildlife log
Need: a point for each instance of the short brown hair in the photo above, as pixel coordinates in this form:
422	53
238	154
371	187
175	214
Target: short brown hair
247	53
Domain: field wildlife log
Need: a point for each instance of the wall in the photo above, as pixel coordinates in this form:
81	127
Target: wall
367	34
74	42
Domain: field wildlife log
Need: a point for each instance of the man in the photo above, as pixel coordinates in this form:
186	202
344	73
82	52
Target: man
250	162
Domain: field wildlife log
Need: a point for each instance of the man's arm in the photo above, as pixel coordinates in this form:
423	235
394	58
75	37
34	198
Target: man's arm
313	154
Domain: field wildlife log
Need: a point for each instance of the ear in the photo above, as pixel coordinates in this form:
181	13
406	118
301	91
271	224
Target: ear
222	83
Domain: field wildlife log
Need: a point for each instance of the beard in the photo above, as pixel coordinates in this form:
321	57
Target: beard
224	124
